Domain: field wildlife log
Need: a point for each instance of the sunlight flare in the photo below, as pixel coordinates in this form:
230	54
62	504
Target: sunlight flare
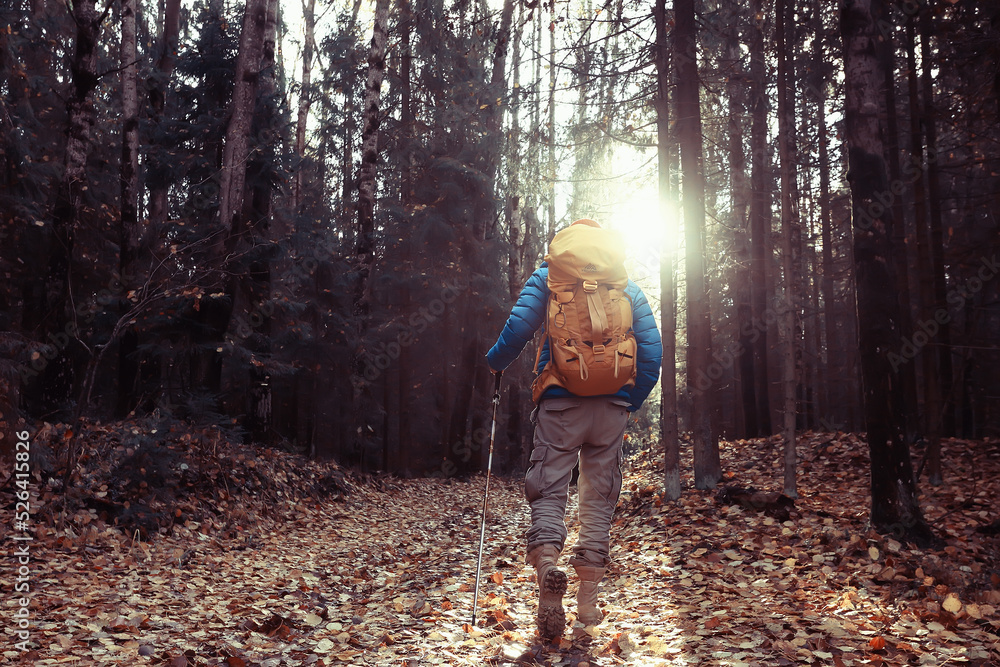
649	228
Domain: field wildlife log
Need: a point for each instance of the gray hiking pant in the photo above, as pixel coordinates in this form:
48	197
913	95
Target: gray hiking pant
585	429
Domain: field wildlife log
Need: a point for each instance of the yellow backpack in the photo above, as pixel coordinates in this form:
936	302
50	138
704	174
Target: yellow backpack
588	320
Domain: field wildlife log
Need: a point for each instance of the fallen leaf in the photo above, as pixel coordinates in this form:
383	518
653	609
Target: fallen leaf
952	604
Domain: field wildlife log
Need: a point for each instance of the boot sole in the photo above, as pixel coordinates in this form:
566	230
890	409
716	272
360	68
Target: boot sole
551	615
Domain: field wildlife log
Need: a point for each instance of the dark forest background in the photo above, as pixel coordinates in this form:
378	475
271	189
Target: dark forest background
306	222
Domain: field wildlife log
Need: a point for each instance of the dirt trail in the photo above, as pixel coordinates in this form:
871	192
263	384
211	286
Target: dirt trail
385	577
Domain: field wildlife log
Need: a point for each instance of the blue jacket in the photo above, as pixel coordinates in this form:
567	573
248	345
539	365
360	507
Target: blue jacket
528	315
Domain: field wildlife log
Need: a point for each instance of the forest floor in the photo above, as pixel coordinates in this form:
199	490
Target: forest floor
263	558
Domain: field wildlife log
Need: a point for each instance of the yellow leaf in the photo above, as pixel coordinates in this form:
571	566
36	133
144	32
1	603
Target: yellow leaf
873	552
952	604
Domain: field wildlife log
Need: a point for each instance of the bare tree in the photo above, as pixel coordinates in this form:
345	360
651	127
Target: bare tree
760	213
929	356
707	465
236	152
789	213
71	192
736	93
130	230
365	247
550	191
935	243
157	102
305	98
895	507
668	306
887	53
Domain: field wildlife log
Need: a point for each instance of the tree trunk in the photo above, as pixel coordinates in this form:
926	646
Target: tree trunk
929	118
701	387
158	182
236	152
929	357
736	92
305	100
498	76
584	194
70	202
404	444
894	498
257	214
534	153
367	176
760	217
603	191
799	297
493	107
550	189
367	185
668	311
789	212
513	212
79	111
517	377
130	230
348	178
907	371
817	398
838	392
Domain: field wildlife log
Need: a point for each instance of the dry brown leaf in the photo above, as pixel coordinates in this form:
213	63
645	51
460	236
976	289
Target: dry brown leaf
388	579
952	604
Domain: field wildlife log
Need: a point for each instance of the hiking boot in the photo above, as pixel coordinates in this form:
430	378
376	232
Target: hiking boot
551	620
587	610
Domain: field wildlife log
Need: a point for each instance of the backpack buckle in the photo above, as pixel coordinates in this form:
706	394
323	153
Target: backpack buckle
598	349
589	286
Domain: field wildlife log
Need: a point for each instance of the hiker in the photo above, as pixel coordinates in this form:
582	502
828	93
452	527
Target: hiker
606	361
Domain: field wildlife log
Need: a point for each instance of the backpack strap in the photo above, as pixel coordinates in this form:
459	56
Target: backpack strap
598	318
545	333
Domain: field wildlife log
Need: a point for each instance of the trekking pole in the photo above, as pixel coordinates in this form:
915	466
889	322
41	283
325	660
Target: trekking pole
486	495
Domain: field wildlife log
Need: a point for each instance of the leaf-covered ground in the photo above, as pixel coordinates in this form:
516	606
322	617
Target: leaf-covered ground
266	559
